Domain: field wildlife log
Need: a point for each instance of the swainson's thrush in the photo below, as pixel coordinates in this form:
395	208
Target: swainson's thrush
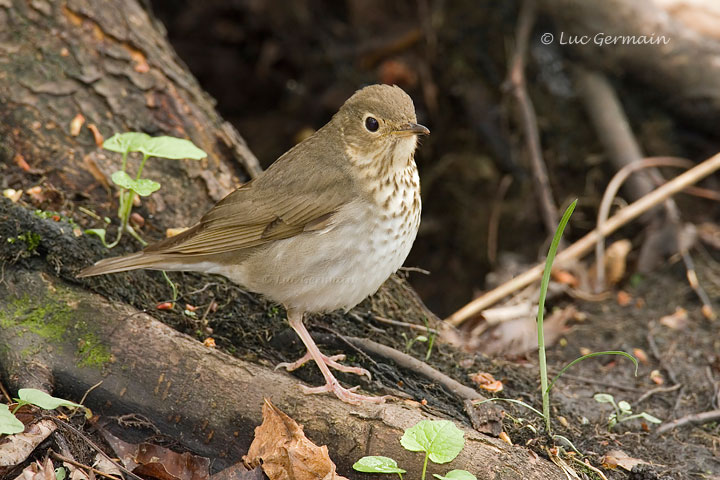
321	229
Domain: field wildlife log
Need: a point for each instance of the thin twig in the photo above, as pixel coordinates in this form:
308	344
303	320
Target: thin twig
411	326
82	400
586	243
5	393
517	86
611	190
653	391
692	419
57	456
406	361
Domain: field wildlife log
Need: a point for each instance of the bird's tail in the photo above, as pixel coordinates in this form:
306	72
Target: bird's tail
133	261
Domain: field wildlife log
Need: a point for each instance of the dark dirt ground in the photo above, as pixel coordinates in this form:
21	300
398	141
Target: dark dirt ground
275	74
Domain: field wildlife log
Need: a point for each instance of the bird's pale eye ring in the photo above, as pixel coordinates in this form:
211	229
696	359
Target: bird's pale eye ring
372	124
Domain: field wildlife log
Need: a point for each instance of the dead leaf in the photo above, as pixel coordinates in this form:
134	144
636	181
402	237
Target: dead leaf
678	320
616	261
564	277
657	377
641	356
38	471
284	452
239	472
19	159
12	194
519	336
209	342
154	461
623	298
76	124
487	382
96	134
618	458
15	449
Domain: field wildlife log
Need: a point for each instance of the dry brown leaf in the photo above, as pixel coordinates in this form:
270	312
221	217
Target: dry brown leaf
618	458
487	382
38	471
677	320
154	461
76	124
285	453
15	449
657	377
564	277
97	136
641	356
616	261
519	336
623	298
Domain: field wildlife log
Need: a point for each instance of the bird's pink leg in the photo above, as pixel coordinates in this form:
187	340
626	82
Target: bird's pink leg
322	361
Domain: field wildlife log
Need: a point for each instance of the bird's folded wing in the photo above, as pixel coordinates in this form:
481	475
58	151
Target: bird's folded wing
256	214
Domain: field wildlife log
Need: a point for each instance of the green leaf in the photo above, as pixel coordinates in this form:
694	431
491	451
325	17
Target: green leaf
142	187
377	464
604	398
60	473
456	475
9	424
624	406
171	147
100	232
43	400
441	439
649	418
126	142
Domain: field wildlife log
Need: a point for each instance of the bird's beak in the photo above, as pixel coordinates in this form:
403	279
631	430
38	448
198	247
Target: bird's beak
412	129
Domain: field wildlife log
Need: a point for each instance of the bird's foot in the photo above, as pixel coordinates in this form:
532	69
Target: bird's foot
331	362
347	395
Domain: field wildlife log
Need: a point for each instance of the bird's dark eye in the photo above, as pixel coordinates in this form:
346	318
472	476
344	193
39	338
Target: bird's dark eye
371	124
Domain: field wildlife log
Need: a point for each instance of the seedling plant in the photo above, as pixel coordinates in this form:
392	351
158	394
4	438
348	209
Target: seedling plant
440	440
542	361
622	411
160	147
9	424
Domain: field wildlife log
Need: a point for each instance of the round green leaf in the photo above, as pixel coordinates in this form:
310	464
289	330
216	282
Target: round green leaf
441	439
9	424
456	475
604	398
125	142
171	147
377	464
43	400
142	187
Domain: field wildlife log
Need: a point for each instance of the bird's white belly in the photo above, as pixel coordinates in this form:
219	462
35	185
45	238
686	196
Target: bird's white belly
320	271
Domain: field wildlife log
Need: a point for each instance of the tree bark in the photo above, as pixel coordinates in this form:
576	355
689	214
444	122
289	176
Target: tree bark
108	63
207	399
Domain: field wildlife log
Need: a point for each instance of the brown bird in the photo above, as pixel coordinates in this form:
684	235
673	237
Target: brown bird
321	229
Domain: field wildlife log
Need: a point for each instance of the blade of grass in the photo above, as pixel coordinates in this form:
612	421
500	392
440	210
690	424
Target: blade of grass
590	355
542	360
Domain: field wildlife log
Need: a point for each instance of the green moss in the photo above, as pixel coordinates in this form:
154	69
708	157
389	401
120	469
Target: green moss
53	320
31	239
